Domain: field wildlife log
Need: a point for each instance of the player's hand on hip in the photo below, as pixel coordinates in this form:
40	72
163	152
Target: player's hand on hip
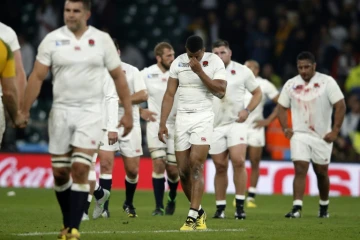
195	65
148	115
243	115
261	123
112	137
331	136
163	132
288	133
126	122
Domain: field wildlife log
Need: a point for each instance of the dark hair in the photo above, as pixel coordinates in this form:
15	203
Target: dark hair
306	56
86	3
116	43
159	48
194	43
221	43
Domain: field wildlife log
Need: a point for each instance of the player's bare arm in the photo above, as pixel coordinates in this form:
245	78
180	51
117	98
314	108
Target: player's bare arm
147	115
139	97
217	86
255	100
20	77
122	89
339	115
166	106
270	118
282	115
33	87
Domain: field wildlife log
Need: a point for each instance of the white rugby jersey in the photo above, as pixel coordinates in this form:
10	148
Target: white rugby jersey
78	66
136	84
311	104
193	94
156	84
8	35
110	104
269	91
239	79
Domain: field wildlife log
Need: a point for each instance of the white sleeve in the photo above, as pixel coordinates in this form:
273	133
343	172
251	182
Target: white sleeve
250	82
111	57
139	83
219	71
13	40
174	70
333	91
284	98
44	51
112	104
270	90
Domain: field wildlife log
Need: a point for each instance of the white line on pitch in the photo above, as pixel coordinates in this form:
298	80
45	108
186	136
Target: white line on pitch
130	232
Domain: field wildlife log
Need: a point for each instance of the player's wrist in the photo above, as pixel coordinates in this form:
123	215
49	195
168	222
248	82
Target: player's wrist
248	110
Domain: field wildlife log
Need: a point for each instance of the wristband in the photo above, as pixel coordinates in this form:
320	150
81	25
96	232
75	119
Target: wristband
246	109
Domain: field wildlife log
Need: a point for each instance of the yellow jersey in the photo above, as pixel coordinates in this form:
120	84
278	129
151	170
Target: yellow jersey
7	62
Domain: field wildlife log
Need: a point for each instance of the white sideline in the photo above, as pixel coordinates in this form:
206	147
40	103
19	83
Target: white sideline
130	232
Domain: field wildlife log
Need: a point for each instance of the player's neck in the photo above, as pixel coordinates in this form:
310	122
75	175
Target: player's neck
164	70
78	34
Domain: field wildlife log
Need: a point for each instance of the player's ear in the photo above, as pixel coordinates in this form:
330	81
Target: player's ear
158	58
314	66
88	15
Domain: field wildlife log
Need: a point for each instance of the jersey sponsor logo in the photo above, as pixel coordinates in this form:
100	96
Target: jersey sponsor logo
137	150
164	79
205	63
62	42
93	142
203	139
241	139
183	64
154	75
77	48
91	42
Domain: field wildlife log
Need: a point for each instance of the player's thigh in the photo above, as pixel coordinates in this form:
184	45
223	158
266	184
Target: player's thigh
152	130
2	122
130	146
321	152
218	141
60	131
202	128
182	134
300	148
256	137
198	153
87	130
236	134
183	160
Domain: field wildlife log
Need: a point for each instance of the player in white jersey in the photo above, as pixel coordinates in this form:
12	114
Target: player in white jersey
8	35
198	75
129	147
311	97
78	55
230	130
256	129
163	155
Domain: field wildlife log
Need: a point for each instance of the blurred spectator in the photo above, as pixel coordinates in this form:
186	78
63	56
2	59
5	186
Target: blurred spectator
27	53
352	119
260	43
47	18
213	26
353	80
131	55
268	73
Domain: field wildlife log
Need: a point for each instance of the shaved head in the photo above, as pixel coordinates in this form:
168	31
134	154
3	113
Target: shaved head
254	66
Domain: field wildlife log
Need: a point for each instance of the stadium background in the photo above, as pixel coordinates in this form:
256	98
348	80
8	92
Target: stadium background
271	32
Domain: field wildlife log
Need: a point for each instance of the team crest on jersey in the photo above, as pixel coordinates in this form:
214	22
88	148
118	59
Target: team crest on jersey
316	85
91	42
203	139
62	42
154	75
183	64
205	63
233	72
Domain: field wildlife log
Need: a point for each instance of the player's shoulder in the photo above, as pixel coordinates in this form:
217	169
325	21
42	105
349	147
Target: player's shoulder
98	33
241	68
322	76
6	30
264	81
129	68
151	69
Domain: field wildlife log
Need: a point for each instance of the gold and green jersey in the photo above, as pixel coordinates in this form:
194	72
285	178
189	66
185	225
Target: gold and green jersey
7	62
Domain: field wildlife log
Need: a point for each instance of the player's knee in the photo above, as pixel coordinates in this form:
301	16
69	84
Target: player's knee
221	167
132	172
239	162
61	176
301	170
172	172
320	174
159	165
184	174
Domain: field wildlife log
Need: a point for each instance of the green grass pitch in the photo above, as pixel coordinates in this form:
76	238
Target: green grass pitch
35	214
